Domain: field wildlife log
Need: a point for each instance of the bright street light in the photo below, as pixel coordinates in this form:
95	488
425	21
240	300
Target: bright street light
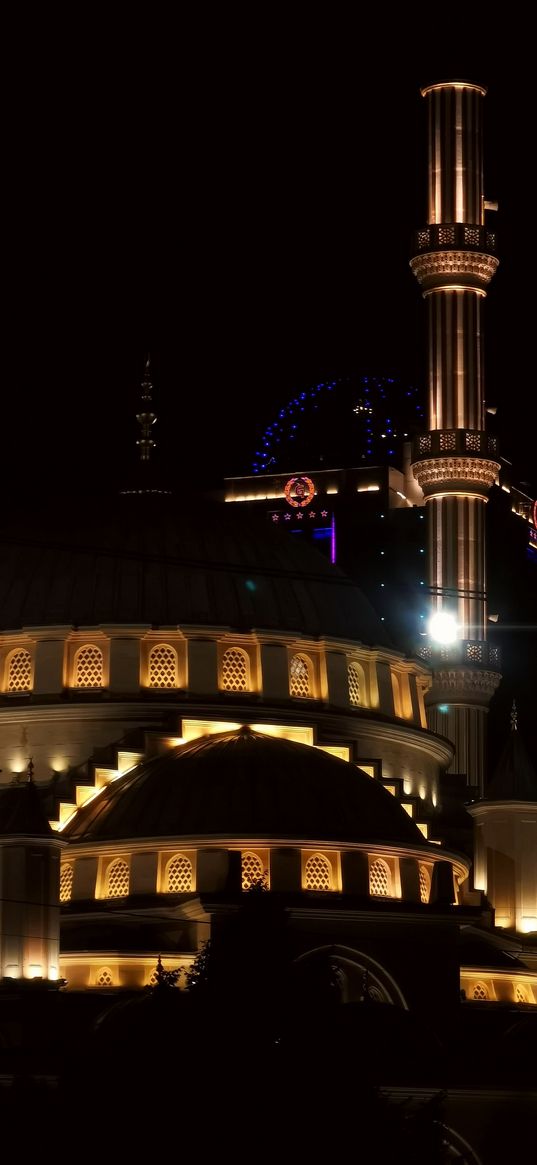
443	627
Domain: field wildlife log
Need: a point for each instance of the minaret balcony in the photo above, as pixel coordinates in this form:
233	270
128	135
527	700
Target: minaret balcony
463	652
454	256
454	443
454	236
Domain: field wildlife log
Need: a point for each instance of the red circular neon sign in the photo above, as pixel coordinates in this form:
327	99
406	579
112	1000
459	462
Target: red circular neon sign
299	491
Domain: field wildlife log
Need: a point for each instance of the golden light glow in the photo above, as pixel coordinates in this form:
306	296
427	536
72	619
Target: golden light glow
454	287
453	85
423	828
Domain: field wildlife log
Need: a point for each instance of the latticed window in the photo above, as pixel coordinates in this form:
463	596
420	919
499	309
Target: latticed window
251	868
89	667
117	879
105	978
380	879
299	676
179	875
448	440
520	994
162	666
425	884
66	882
19	676
235	670
354	684
318	873
480	991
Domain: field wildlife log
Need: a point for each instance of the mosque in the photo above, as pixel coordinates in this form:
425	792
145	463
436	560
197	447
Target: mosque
201	712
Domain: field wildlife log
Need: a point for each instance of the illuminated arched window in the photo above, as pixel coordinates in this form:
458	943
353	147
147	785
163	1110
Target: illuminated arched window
117	879
318	873
163	666
354	684
425	884
521	995
251	869
179	875
380	879
300	677
235	668
104	978
66	882
480	991
88	667
19	675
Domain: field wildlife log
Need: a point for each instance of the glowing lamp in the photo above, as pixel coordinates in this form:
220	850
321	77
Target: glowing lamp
443	627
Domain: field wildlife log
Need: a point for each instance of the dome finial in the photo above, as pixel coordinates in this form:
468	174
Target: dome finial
514	717
146	419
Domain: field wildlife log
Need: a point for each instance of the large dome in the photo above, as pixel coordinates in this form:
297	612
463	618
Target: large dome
245	784
162	561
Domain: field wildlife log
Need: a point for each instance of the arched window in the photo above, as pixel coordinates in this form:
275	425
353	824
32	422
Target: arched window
104	978
66	882
117	879
521	995
380	879
19	675
425	884
251	869
179	875
235	670
480	991
163	666
300	677
88	667
318	873
354	684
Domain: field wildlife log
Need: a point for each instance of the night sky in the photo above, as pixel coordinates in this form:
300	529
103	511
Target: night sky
239	200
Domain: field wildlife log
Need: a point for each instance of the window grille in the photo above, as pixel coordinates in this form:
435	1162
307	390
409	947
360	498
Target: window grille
520	994
66	882
162	666
20	671
89	667
104	978
179	875
299	677
318	873
234	670
480	991
117	879
380	879
251	869
425	884
354	684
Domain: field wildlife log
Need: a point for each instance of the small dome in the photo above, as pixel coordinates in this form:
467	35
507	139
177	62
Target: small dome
244	784
161	561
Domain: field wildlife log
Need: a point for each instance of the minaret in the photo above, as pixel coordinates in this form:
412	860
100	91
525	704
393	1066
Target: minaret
146	418
455	461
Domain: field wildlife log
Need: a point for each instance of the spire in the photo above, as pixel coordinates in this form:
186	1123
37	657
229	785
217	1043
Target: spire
514	718
146	418
514	778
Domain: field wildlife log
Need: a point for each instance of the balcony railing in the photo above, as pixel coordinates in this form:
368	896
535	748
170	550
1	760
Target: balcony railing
475	652
455	236
454	443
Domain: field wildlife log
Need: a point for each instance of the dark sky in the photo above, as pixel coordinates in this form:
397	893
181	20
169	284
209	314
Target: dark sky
238	198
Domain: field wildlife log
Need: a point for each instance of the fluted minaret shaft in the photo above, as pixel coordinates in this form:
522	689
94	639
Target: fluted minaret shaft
455	461
455	133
